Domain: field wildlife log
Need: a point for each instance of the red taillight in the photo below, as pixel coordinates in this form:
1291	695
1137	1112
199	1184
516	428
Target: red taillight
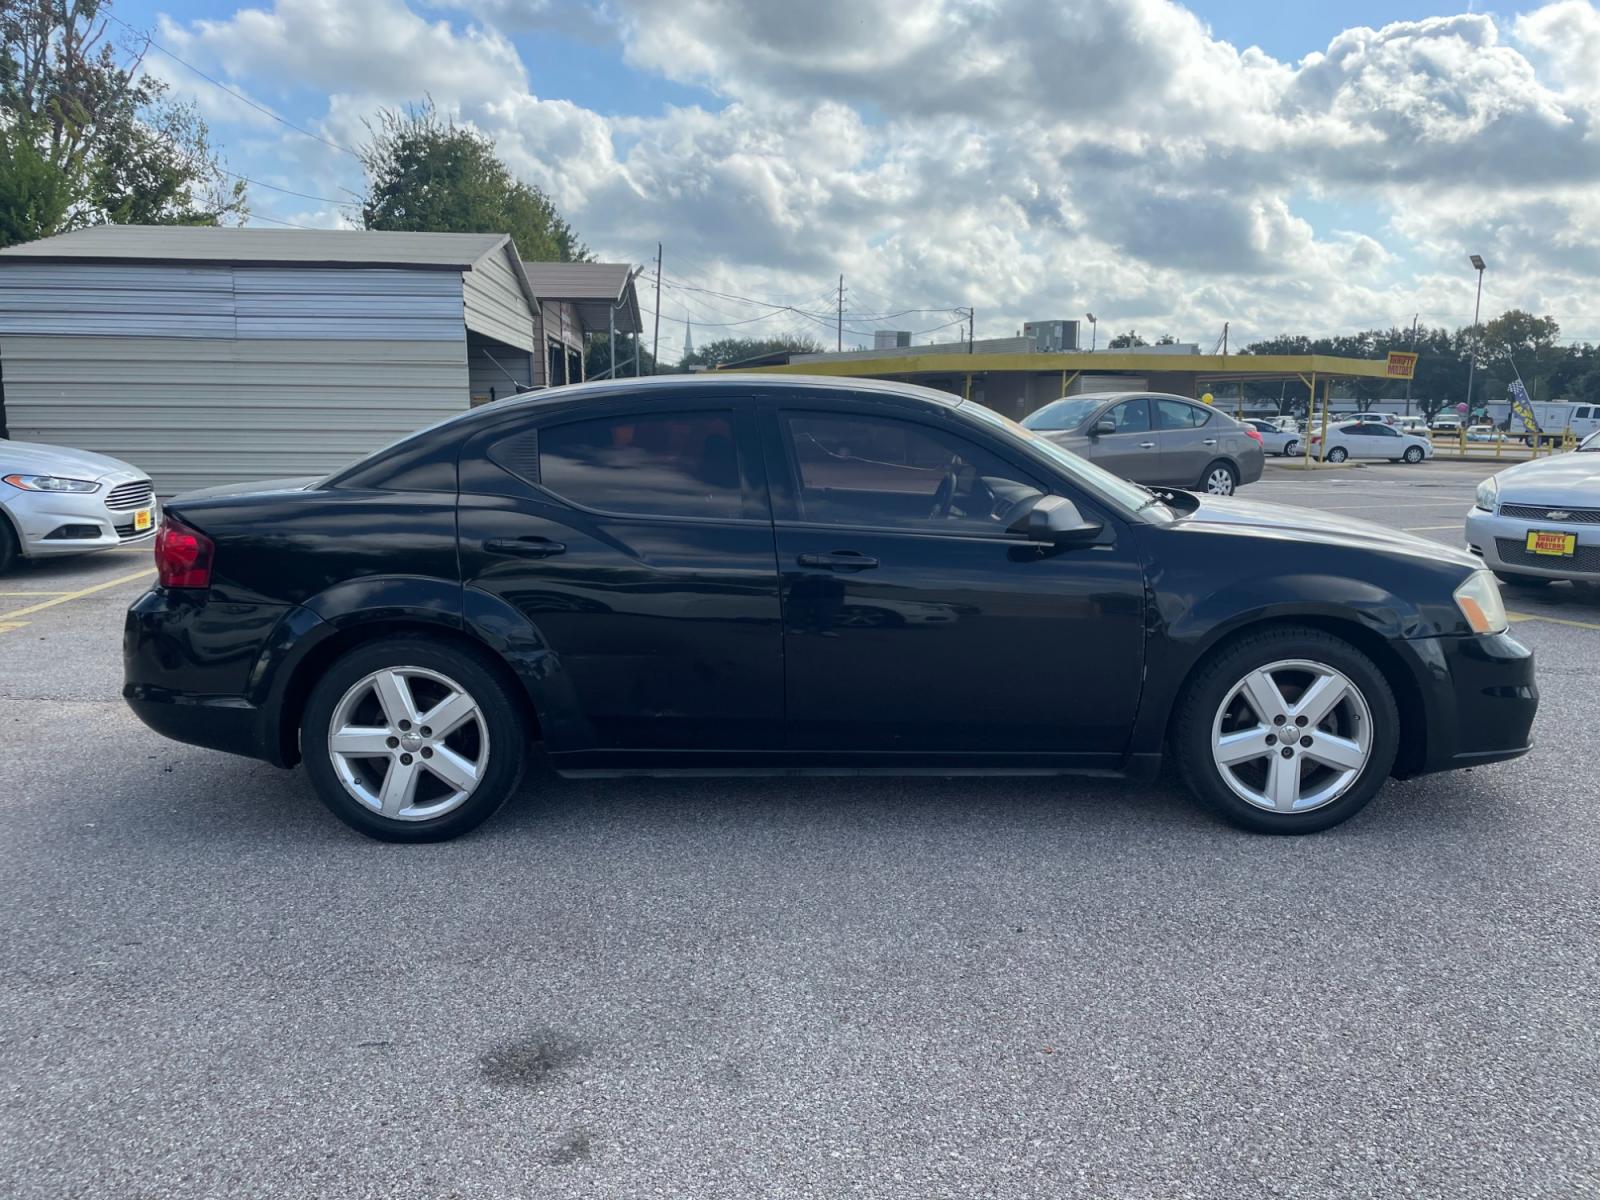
183	556
1252	433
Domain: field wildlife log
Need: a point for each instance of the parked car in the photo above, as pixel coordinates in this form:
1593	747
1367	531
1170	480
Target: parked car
1450	425
1380	418
56	501
1369	439
673	575
1275	440
1539	521
1416	425
1482	433
1155	438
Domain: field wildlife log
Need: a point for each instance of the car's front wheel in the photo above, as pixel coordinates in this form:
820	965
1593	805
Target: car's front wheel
1220	479
1290	730
1413	454
410	739
9	553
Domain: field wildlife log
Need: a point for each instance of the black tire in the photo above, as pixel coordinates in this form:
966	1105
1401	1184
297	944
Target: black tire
10	553
1524	581
1291	448
1220	479
501	715
1337	455
1207	689
1413	454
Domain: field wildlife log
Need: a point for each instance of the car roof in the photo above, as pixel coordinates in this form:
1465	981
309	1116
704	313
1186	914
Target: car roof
1128	395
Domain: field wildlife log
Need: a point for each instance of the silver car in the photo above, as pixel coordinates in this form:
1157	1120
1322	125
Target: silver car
1151	437
1277	440
56	501
1540	521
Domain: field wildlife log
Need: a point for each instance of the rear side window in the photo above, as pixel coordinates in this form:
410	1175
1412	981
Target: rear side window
678	464
1174	414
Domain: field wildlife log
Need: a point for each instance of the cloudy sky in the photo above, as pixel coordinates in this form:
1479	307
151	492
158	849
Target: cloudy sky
1285	166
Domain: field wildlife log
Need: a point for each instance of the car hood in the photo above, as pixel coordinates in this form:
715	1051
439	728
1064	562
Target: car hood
1572	479
296	484
1311	525
36	458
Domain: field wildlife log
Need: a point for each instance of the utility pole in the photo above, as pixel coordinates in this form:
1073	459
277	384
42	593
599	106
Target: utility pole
971	321
1224	339
1414	317
655	349
840	344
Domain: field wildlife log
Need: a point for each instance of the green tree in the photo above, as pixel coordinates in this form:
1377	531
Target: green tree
597	357
88	140
425	172
1127	341
737	349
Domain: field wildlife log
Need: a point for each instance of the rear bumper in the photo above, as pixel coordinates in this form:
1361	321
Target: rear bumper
1479	700
190	675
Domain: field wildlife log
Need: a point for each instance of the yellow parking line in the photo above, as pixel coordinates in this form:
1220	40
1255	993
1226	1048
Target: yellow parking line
11	617
1515	616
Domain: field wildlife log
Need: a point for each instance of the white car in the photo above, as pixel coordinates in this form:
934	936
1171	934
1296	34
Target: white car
56	501
1482	433
1414	425
1540	521
1383	418
1371	439
1277	440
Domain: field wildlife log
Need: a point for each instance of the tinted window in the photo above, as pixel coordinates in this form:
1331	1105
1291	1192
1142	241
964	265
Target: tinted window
1175	414
1131	416
1353	430
1580	414
1060	414
1382	431
880	471
667	464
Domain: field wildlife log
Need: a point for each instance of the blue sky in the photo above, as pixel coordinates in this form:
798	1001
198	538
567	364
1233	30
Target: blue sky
1030	157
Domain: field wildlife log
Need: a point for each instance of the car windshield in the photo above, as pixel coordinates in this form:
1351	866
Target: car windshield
1061	414
1096	480
1592	442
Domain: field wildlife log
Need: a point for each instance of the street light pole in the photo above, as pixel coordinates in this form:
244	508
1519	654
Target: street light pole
1472	363
1094	332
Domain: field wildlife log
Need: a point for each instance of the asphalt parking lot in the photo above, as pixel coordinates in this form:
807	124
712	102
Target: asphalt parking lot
813	988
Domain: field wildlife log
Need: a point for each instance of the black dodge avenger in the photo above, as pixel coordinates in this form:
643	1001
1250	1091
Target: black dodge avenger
747	574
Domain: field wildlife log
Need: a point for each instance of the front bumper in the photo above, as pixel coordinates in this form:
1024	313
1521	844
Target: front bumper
1500	541
1478	700
50	524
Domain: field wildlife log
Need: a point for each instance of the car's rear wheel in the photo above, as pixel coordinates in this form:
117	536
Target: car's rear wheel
1291	448
1290	730
1220	479
1338	454
1413	454
413	740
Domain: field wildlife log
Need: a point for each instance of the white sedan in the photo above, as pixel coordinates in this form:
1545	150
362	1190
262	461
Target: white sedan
56	501
1540	521
1275	439
1371	439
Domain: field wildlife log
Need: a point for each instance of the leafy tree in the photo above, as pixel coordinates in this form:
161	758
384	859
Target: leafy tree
736	349
1127	341
425	172
87	140
597	357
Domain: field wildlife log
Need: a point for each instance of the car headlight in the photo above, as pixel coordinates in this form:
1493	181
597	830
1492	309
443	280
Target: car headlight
1488	494
51	483
1479	601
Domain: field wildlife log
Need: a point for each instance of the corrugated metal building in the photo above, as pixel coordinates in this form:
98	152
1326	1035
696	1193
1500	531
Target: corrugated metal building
210	355
577	299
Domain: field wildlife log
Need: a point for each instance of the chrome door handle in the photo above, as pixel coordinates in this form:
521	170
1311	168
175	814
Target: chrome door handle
1209	442
1147	445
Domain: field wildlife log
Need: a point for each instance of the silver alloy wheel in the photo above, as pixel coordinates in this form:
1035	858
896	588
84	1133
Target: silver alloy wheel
1220	482
408	743
1413	454
1338	454
1292	736
1290	449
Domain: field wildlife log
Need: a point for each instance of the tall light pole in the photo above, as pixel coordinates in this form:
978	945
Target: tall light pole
1472	363
1094	332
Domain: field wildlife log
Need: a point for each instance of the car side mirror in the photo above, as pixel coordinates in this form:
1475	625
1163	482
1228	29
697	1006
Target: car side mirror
1056	521
1103	425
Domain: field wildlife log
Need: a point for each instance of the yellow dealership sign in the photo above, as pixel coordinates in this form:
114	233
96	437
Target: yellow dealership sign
1402	365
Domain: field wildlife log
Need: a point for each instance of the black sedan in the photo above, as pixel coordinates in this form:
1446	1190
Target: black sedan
758	575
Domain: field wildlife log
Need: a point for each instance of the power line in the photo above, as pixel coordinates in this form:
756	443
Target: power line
275	221
286	191
236	95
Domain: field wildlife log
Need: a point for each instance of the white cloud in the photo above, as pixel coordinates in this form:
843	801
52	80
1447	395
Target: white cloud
1031	157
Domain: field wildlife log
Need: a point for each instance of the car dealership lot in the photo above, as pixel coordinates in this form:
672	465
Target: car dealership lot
808	987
